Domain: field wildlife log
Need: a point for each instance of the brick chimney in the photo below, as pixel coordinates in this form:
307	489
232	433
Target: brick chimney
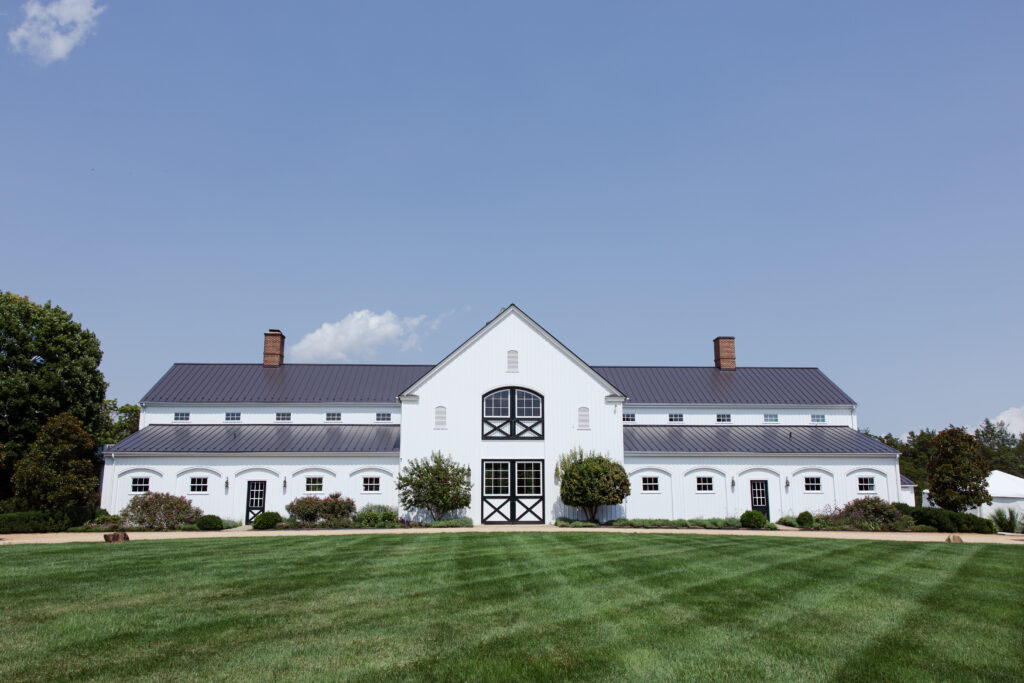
273	348
725	353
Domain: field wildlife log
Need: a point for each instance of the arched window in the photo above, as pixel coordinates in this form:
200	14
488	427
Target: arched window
584	418
513	362
513	413
440	417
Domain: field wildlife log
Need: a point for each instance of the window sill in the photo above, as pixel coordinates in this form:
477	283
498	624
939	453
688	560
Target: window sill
371	493
705	493
648	493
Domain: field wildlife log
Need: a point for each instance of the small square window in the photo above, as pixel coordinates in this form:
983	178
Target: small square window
232	417
334	417
371	484
283	417
383	417
705	484
866	484
675	417
629	417
314	484
140	484
723	418
771	418
198	485
812	484
818	419
181	417
649	484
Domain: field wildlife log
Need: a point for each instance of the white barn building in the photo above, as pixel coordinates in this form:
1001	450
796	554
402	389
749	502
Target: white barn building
696	442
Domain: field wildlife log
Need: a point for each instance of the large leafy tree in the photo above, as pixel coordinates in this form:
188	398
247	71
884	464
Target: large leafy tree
588	481
49	364
436	484
1001	446
117	422
914	452
58	469
957	470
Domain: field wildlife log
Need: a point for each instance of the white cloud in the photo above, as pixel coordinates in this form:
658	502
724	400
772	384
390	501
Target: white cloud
360	334
50	32
1014	419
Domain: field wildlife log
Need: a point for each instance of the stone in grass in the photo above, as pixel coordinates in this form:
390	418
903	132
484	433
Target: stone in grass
116	537
953	538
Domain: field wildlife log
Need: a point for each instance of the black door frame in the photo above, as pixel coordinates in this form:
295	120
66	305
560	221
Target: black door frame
490	506
766	508
252	510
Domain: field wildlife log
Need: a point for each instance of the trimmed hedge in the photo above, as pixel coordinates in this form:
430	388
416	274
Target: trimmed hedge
266	520
34	522
948	521
456	522
209	523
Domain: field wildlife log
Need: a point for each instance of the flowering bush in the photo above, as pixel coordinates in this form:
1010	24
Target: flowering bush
867	514
332	510
159	511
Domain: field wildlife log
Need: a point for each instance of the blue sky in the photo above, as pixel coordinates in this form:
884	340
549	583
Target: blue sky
837	185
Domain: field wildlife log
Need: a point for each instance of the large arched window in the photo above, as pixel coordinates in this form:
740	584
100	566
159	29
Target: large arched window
513	413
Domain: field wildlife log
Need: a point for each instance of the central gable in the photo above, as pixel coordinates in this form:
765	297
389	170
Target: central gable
510	345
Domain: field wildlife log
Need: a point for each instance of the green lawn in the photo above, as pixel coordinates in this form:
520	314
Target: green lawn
512	606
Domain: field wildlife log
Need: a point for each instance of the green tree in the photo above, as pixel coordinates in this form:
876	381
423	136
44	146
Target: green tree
58	469
49	365
436	484
118	422
1000	446
957	470
588	481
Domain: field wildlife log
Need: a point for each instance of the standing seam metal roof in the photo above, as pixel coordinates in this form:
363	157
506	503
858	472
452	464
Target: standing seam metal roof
262	439
742	386
337	383
752	439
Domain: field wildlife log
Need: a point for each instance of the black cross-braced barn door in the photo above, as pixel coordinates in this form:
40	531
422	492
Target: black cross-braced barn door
513	492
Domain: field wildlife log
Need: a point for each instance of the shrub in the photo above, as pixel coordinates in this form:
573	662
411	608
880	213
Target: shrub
589	481
266	520
209	523
869	514
376	516
731	523
752	519
951	522
331	511
923	527
437	484
787	521
1006	520
622	521
189	527
805	520
577	524
231	523
771	527
159	511
454	522
33	522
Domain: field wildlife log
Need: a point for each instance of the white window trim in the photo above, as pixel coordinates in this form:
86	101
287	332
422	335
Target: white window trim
371	493
305	484
131	485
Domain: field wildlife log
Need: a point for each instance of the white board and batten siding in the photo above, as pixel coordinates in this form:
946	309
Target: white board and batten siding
481	366
304	413
741	415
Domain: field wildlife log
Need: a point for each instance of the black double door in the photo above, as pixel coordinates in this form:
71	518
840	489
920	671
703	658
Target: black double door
759	497
513	492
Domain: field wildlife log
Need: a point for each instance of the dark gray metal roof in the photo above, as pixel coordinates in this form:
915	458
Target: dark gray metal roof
291	383
262	439
709	385
905	481
754	439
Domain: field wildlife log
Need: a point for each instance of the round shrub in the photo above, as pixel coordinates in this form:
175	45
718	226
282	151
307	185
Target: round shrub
210	523
304	509
589	481
753	519
159	511
266	520
805	520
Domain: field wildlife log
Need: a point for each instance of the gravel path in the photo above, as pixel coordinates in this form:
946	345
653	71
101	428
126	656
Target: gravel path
247	532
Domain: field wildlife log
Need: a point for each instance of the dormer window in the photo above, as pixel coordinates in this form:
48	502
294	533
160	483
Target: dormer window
383	417
283	417
771	418
675	417
232	417
181	417
818	418
513	413
723	418
629	417
334	417
512	361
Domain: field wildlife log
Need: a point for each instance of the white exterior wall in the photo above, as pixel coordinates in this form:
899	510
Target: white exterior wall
678	497
742	415
302	413
172	473
480	368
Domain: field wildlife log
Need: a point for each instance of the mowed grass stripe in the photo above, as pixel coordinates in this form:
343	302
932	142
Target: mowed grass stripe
526	606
